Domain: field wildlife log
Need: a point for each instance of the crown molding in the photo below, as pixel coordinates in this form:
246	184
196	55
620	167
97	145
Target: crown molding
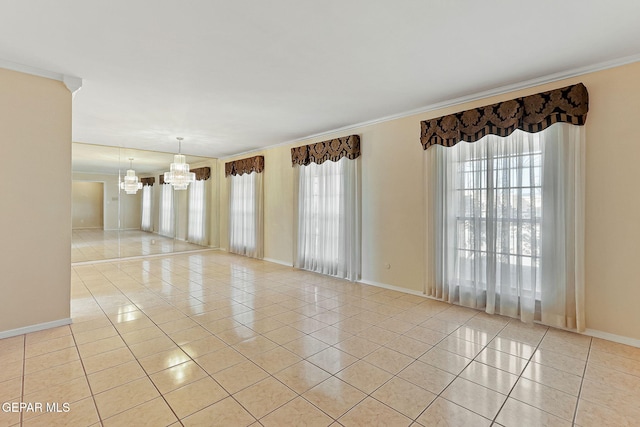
501	90
74	84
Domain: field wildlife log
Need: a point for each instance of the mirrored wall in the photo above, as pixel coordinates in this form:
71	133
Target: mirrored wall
109	223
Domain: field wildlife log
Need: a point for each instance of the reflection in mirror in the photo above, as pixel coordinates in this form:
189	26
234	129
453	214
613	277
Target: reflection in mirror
108	223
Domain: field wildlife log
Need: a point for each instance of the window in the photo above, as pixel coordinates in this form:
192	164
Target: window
245	214
505	226
147	196
321	201
166	225
328	239
498	213
197	227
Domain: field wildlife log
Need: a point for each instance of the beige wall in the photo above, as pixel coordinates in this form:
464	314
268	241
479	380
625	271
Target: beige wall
130	210
116	204
613	201
393	216
35	257
87	199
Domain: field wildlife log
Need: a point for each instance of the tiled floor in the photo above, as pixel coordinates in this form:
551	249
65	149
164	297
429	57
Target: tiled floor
216	339
96	244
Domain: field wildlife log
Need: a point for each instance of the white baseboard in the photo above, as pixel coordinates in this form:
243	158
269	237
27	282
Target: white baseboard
35	328
612	337
393	288
277	261
130	258
589	332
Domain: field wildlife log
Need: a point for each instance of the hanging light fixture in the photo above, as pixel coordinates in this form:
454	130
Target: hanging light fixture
131	184
179	175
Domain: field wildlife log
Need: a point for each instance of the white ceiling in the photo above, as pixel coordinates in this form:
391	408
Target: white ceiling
232	76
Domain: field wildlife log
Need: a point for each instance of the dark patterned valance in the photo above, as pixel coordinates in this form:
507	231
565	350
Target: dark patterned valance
148	181
531	114
242	166
161	179
202	174
334	150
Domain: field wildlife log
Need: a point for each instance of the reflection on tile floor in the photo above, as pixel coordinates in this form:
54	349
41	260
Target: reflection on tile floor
96	245
212	339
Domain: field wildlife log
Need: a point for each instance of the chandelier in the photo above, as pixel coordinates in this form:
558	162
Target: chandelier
130	184
179	175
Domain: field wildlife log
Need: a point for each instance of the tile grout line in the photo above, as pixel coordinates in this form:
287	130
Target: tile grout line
24	372
493	421
24	359
127	345
331	375
136	357
95	404
188	355
270	375
86	376
584	373
519	377
472	360
127	293
417	359
439	395
393	376
307	334
451	382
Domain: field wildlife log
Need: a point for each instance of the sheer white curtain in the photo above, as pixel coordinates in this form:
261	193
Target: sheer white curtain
505	225
246	214
147	208
197	215
328	218
166	223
